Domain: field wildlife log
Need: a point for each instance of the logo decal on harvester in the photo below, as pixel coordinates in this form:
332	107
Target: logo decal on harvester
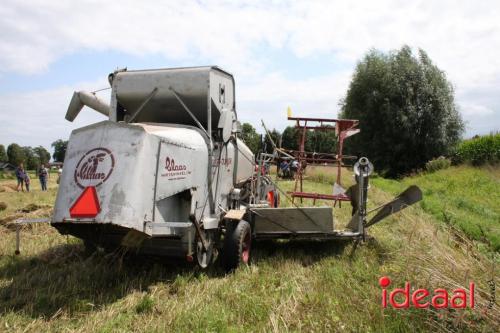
94	168
175	171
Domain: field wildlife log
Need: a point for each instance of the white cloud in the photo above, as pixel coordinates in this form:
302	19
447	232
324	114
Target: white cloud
37	118
452	31
476	110
269	96
462	37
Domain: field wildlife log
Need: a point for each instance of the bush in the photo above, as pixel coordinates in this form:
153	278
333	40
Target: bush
437	164
479	150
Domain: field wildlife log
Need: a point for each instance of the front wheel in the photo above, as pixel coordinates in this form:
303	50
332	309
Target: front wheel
206	256
237	245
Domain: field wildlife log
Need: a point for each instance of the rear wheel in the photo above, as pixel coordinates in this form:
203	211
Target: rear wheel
237	245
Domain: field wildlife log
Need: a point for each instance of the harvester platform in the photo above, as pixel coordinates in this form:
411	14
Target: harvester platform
297	223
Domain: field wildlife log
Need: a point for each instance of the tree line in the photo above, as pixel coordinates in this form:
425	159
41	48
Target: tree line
32	157
317	141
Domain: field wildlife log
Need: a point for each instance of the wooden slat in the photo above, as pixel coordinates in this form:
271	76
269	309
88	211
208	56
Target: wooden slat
235	214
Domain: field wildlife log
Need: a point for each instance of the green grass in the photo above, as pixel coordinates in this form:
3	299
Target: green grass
16	201
465	197
290	286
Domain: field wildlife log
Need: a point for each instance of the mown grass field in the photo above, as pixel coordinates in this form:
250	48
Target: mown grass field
291	286
465	197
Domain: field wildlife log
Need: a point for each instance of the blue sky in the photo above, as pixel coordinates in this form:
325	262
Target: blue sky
299	54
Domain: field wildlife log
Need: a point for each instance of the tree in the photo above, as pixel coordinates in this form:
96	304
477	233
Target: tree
59	150
321	141
250	136
15	154
268	146
289	138
3	154
316	140
406	110
31	161
42	154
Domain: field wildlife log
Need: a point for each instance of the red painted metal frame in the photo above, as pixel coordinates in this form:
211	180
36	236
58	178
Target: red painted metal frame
343	128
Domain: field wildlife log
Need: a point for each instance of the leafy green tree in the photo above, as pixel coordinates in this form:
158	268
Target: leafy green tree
15	154
316	140
3	154
59	150
268	146
250	136
406	109
321	141
31	161
43	154
289	138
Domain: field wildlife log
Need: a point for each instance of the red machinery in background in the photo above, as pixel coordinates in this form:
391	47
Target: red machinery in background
343	128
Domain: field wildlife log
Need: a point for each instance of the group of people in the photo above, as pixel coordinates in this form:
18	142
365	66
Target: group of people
288	168
24	181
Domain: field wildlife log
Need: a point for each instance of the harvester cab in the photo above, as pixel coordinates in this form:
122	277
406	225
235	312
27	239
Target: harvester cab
166	174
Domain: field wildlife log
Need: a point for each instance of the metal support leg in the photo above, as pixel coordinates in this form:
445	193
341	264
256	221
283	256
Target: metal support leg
18	239
19	224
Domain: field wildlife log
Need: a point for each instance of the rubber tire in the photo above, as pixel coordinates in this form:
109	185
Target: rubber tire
233	245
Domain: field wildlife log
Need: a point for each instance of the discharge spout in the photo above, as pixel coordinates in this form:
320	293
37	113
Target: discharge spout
81	98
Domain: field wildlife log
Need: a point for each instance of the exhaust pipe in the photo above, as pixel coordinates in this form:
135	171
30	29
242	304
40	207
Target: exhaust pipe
81	98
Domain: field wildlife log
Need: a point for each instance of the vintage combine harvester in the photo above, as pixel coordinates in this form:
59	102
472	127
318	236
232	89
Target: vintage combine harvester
167	174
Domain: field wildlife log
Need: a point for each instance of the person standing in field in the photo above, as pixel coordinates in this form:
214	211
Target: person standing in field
20	174
42	175
27	181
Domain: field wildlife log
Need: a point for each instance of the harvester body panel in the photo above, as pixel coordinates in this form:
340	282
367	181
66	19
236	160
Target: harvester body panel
137	170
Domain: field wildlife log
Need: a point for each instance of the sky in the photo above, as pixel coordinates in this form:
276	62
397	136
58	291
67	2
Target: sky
282	53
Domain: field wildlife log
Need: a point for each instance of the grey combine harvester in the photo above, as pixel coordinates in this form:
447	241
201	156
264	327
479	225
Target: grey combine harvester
167	174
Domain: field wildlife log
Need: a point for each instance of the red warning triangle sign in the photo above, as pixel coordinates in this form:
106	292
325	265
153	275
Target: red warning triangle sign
87	205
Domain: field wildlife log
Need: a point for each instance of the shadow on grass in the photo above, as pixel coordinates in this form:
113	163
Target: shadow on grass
63	278
305	251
